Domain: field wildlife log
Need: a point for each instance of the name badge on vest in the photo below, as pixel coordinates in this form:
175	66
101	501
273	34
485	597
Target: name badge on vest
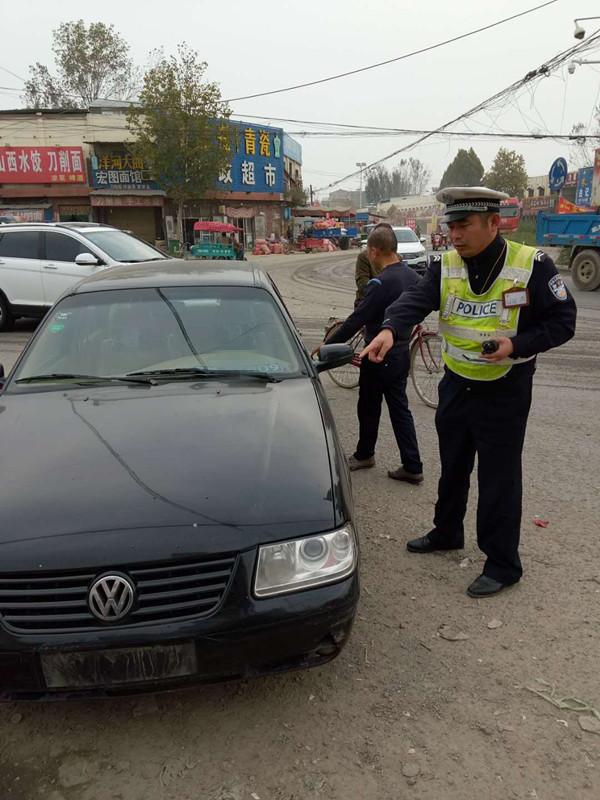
515	298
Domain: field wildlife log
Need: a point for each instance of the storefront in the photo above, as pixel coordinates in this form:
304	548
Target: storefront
44	184
140	213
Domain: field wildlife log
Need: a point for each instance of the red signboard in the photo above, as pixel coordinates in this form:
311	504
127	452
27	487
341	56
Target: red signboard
42	165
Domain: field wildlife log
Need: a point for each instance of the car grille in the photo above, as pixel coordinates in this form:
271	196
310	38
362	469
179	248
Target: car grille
166	591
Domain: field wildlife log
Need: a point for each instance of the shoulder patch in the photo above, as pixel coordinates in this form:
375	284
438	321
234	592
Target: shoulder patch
540	255
435	257
557	287
374	280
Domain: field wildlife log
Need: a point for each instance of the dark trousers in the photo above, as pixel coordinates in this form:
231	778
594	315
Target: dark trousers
490	421
376	382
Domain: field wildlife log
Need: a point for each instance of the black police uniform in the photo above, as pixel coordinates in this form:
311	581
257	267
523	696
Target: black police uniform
387	379
488	418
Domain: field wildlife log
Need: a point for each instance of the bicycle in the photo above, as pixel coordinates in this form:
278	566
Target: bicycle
426	363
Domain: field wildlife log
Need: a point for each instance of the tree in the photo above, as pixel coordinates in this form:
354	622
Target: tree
296	195
410	176
180	127
91	63
465	170
508	173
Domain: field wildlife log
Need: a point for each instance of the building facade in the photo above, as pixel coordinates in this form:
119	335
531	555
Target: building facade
59	165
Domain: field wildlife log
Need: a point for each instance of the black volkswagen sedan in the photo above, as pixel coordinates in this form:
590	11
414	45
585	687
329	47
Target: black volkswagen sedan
176	506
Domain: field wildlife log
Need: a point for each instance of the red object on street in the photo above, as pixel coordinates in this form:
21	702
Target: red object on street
541	523
510	214
42	165
215	227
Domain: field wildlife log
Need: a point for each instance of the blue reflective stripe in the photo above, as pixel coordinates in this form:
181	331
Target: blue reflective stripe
375	280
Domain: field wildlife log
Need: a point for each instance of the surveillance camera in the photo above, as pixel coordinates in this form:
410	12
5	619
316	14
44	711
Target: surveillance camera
571	68
579	32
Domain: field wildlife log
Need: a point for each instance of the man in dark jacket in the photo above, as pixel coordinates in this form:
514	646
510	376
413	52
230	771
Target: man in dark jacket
387	379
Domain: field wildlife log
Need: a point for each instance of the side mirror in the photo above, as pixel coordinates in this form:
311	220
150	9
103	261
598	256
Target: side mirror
86	260
422	239
333	355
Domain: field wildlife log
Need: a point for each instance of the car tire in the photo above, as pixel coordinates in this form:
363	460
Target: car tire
7	321
585	270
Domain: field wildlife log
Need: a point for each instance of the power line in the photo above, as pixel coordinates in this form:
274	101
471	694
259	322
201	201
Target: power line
541	71
392	60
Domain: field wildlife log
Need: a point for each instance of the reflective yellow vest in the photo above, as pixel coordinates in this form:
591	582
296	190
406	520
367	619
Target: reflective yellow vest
468	319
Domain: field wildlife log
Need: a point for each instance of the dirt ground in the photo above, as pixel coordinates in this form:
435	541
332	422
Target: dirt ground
437	696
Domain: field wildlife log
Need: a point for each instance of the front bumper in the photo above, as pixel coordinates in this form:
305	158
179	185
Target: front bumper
244	638
418	264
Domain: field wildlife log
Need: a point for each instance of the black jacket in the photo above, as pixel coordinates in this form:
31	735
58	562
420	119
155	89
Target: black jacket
547	322
380	292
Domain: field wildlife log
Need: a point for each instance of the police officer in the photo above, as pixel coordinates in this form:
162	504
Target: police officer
486	290
387	378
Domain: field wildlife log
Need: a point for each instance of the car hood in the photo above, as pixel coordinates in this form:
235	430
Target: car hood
207	465
410	248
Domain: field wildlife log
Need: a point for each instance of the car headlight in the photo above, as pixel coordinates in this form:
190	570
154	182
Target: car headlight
307	562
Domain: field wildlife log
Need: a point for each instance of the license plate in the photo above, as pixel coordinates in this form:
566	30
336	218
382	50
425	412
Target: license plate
78	670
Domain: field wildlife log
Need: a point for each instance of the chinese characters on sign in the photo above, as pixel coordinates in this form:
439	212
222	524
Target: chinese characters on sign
42	165
583	194
256	158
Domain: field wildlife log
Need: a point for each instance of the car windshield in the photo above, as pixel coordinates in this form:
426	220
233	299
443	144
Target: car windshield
405	236
509	211
120	246
201	329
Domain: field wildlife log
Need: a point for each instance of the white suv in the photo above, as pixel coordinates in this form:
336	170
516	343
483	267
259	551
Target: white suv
40	261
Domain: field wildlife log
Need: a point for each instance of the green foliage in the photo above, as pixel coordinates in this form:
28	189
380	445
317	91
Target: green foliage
508	173
465	170
179	126
411	176
91	62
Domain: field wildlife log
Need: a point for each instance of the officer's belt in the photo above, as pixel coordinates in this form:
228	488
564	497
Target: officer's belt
469	355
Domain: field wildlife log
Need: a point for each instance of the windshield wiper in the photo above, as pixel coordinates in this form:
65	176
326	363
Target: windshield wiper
67	376
193	373
141	260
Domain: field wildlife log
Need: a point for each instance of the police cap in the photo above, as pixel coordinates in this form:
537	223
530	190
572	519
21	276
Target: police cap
461	201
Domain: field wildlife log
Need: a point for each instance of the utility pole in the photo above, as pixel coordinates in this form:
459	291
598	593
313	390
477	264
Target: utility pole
361	165
311	193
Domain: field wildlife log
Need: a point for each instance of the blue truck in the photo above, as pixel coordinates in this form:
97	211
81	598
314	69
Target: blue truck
580	232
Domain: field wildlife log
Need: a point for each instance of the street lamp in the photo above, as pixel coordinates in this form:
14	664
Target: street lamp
579	61
579	32
361	165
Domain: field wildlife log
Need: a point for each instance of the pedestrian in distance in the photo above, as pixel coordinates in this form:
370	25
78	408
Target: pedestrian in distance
387	378
500	304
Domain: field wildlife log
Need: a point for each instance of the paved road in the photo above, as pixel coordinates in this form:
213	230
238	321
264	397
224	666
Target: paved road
431	699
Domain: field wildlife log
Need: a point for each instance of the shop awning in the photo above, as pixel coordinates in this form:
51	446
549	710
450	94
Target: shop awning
215	227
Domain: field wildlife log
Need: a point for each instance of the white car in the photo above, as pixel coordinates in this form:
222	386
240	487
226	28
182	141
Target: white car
40	261
410	247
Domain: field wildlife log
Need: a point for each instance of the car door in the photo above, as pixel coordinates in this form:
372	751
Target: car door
20	268
60	272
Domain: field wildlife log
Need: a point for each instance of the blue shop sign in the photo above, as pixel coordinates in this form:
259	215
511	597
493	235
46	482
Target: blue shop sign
256	158
583	193
122	179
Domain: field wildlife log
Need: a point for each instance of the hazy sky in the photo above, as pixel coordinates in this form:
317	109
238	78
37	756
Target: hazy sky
261	45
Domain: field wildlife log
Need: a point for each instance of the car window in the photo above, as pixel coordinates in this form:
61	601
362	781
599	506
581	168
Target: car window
120	246
19	244
62	247
406	236
212	328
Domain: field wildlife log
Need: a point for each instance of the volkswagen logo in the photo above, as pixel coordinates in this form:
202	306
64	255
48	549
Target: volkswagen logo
110	597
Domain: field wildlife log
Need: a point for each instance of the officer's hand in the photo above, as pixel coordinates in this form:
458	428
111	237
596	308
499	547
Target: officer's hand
504	350
379	347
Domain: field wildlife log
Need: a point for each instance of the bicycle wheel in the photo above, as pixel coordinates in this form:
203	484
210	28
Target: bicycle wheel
347	376
427	367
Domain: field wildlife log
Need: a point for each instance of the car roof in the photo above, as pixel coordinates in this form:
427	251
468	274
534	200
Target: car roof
82	227
174	272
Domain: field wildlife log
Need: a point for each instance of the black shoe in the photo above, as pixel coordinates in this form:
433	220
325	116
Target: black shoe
483	586
424	545
402	474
